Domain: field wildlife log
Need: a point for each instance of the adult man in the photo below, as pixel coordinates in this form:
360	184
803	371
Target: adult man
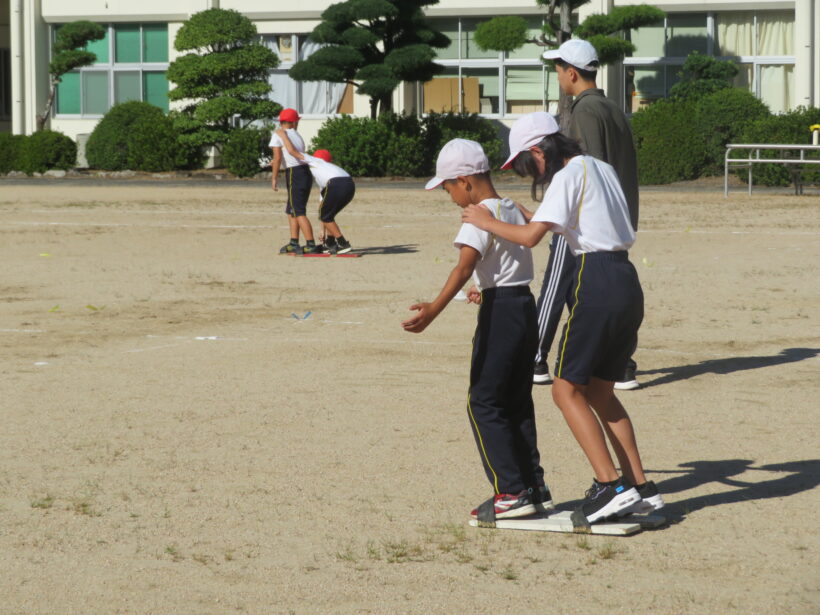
604	132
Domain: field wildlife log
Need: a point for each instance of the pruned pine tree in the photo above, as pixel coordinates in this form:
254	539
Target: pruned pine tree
605	32
225	74
373	45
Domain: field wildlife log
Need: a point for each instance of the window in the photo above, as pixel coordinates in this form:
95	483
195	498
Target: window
131	63
308	97
5	84
761	42
487	82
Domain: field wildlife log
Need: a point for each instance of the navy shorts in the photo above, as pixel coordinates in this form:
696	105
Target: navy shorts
298	181
605	312
335	196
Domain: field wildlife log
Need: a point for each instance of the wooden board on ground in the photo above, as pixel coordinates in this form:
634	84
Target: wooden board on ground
560	521
324	255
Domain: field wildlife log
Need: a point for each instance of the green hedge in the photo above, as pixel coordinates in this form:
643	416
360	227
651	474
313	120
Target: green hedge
684	138
46	150
401	145
244	149
134	135
10	146
792	127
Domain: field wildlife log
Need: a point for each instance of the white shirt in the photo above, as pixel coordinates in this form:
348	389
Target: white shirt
298	144
503	263
586	204
324	171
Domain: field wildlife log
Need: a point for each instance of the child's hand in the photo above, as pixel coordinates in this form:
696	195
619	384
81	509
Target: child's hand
477	215
474	295
419	322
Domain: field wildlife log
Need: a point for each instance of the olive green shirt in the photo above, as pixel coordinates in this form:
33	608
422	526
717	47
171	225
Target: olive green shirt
604	132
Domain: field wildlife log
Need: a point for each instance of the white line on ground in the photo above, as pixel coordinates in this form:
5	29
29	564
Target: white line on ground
22	331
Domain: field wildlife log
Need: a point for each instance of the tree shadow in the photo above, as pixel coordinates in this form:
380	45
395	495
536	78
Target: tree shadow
407	248
726	366
803	476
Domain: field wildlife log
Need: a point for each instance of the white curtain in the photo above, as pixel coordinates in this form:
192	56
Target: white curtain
776	33
777	86
736	33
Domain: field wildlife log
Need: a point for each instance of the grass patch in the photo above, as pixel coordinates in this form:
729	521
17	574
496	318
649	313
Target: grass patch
45	502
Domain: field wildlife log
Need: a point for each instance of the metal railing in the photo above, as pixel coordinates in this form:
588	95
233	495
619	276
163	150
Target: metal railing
754	157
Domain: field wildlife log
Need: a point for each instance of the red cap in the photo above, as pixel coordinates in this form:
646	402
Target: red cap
289	115
323	154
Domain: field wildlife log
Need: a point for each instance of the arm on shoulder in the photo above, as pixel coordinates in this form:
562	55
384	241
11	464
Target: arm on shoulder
523	234
282	134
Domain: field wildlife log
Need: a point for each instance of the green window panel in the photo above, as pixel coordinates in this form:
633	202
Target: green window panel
450	28
155	89
686	33
95	93
126	86
471	50
68	94
529	50
649	40
524	89
155	43
100	49
126	43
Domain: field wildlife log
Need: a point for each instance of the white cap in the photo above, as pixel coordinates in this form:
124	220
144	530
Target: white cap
458	158
527	131
575	51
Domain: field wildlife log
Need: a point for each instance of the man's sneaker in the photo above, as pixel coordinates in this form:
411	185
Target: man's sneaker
602	501
650	499
628	382
329	248
541	374
313	250
290	248
343	245
542	499
511	505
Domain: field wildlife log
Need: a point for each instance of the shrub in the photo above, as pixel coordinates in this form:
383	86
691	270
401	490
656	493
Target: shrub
134	135
243	150
667	144
792	127
401	144
10	146
46	150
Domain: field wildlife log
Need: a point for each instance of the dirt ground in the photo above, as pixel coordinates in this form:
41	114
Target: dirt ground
194	424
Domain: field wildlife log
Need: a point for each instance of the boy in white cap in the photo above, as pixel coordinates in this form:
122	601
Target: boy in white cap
585	203
604	132
298	180
499	403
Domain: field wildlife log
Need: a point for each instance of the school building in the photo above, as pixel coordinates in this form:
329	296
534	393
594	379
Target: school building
774	41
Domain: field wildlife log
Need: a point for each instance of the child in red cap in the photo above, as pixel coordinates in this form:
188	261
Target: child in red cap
298	180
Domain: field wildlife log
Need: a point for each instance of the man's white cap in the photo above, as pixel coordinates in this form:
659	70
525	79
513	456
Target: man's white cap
575	51
527	131
459	157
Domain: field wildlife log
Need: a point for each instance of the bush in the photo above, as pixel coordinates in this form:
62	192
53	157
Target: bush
721	117
788	128
401	145
667	144
10	146
46	150
244	149
134	135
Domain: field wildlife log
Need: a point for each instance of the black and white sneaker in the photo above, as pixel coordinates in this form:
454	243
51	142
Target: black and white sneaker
541	374
603	501
629	382
650	499
343	245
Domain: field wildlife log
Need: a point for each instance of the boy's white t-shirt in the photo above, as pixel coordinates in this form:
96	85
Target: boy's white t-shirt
298	144
586	204
503	263
323	171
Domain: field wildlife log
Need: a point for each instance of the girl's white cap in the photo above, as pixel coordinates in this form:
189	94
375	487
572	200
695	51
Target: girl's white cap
527	131
459	158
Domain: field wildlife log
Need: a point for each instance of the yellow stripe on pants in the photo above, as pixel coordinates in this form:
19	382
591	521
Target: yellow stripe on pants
571	315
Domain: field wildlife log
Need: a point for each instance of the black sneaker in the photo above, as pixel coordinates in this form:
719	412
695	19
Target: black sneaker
511	505
343	245
329	248
542	499
541	374
650	499
628	382
313	250
602	501
291	248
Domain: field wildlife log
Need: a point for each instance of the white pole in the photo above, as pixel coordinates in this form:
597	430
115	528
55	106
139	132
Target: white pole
17	65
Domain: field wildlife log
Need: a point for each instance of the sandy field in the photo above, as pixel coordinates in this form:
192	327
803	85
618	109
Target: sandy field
194	424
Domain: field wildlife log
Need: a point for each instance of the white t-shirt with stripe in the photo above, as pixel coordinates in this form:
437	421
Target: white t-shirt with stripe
503	263
586	204
298	144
